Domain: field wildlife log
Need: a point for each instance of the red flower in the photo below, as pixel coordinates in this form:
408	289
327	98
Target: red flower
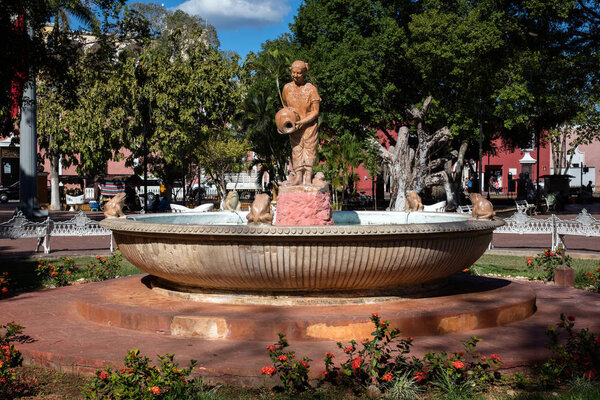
268	370
495	357
410	338
387	377
357	362
103	375
461	353
325	373
155	389
419	376
458	364
483	358
97	257
374	315
4	290
529	260
349	349
271	348
571	317
329	355
104	259
282	357
68	272
590	374
465	270
303	364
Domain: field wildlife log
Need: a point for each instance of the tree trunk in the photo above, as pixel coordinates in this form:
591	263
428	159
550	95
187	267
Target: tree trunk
54	183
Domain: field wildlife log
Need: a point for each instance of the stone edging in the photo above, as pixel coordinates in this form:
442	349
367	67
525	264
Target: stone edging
125	225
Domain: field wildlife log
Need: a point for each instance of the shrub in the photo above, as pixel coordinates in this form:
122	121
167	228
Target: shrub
592	278
378	362
12	384
56	273
293	373
4	284
466	368
545	263
403	387
105	267
574	354
141	380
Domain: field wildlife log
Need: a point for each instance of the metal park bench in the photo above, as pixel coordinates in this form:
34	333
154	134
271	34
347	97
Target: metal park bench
468	209
19	227
524	207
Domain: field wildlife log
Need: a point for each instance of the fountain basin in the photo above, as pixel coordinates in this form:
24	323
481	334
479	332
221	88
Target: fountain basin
363	253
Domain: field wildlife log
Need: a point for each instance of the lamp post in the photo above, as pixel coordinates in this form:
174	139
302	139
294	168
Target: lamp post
479	180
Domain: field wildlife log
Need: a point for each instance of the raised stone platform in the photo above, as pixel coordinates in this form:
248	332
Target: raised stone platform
304	205
467	303
65	336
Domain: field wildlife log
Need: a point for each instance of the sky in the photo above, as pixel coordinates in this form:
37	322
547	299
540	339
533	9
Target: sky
242	25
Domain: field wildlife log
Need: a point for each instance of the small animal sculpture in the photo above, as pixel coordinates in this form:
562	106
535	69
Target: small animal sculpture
413	201
260	210
114	207
232	202
482	208
319	180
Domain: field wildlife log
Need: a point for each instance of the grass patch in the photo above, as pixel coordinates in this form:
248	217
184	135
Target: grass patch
22	272
516	266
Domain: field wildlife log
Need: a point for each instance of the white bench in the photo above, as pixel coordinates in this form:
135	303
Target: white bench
437	207
468	209
176	208
524	207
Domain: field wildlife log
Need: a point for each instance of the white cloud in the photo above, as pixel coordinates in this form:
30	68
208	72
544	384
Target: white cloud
232	14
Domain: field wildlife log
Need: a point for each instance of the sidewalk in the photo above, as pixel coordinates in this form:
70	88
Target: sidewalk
504	244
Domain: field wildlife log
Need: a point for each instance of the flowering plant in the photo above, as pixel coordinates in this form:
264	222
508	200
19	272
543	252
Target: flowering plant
592	278
4	284
293	373
141	380
55	273
574	356
377	362
11	383
104	268
467	366
545	263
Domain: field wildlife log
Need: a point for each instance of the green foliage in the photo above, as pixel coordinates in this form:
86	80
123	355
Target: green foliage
293	373
545	263
57	274
403	387
12	384
574	354
592	278
105	268
141	380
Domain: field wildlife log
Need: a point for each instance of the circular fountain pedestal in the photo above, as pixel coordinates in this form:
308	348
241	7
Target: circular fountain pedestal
468	303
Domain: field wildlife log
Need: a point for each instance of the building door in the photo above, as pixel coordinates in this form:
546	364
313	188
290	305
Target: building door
10	171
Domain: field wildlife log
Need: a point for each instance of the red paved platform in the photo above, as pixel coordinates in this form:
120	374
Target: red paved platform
61	337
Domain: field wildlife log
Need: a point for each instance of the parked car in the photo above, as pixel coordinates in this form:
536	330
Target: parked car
9	192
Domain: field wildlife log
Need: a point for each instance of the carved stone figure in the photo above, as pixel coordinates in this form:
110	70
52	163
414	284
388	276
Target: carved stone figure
114	207
303	99
232	202
260	211
482	208
413	201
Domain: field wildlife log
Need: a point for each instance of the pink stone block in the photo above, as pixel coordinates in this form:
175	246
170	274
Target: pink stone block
304	208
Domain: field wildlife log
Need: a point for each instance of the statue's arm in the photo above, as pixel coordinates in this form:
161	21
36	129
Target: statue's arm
312	115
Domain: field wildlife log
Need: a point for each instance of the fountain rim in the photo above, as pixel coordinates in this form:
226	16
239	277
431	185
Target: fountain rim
462	226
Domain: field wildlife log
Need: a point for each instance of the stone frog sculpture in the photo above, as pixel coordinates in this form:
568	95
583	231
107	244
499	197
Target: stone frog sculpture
232	202
413	201
260	210
482	208
114	207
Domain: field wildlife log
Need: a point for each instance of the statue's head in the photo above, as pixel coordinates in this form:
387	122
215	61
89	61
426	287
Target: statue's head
299	70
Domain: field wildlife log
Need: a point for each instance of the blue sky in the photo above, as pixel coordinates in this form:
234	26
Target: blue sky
242	25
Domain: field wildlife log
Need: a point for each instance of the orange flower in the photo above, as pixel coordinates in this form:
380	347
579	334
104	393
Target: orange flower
375	315
329	355
458	364
282	357
271	348
483	358
495	357
303	364
4	290
155	389
419	376
103	375
104	259
349	349
387	377
357	362
268	370
325	373
97	257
